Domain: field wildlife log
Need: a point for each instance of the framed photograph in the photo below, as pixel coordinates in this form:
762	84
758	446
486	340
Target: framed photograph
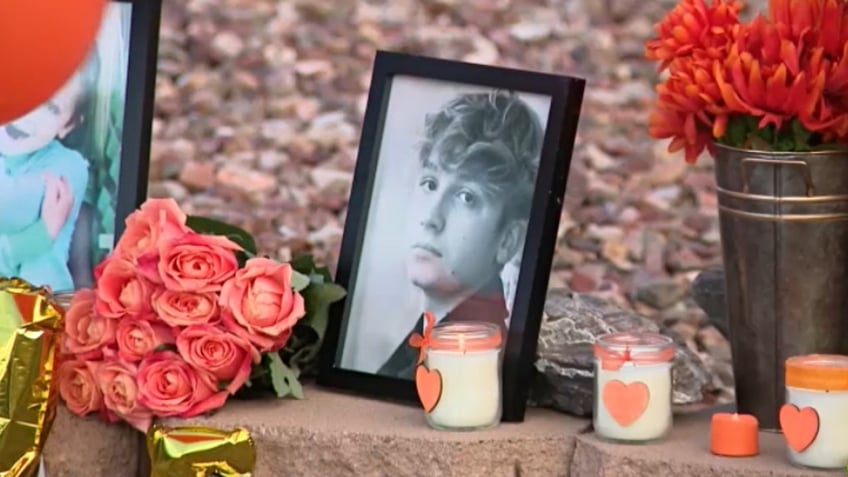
77	165
454	209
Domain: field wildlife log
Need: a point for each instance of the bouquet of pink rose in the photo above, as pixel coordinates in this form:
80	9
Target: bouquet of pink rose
184	315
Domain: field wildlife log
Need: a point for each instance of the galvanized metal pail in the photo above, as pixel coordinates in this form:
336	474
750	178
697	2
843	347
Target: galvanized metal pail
784	235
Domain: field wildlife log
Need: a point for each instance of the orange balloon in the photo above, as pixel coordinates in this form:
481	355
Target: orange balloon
42	43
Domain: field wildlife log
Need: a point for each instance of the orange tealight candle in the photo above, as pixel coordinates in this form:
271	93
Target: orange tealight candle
734	435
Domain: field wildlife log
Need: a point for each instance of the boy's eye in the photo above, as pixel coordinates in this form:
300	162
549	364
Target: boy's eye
51	106
467	197
428	184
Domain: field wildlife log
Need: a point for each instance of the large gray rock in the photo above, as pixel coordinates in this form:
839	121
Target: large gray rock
564	357
708	292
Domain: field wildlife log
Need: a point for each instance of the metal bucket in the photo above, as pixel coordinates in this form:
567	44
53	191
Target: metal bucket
784	235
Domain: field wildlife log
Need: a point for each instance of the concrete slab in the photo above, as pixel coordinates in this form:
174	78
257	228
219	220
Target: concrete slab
89	447
331	434
684	454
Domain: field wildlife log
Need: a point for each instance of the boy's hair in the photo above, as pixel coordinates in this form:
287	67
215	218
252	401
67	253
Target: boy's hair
494	139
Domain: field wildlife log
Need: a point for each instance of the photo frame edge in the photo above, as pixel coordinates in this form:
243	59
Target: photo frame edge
517	372
329	375
139	106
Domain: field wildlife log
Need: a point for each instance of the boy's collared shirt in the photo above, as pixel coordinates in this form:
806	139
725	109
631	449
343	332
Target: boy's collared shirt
486	305
26	249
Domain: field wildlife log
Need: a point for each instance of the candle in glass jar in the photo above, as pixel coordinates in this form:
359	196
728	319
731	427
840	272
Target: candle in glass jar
467	357
633	386
814	419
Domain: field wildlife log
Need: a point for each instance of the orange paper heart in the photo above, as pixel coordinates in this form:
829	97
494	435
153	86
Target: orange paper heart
625	402
800	426
428	382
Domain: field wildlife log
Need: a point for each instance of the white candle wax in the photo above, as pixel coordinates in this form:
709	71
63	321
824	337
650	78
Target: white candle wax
655	421
829	450
471	388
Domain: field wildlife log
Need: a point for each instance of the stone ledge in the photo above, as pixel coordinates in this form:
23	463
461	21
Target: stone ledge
89	447
330	434
684	454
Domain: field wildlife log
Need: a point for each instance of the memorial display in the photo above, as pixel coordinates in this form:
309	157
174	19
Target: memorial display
138	313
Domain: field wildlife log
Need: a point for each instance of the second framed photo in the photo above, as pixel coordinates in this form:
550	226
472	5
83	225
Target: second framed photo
77	165
454	209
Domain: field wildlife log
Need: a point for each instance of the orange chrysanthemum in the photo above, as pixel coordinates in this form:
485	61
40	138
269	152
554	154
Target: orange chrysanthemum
693	29
685	130
790	66
822	25
689	108
762	75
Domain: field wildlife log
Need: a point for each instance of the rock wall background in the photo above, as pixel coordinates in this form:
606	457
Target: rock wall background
259	105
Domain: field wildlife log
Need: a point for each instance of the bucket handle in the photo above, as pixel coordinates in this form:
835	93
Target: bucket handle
805	171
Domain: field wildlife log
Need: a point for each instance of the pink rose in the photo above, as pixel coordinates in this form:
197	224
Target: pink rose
171	387
224	355
121	291
86	332
137	338
193	262
78	387
186	308
260	304
157	220
120	394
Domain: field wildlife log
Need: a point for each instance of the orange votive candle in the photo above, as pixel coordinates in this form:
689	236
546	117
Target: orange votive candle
734	435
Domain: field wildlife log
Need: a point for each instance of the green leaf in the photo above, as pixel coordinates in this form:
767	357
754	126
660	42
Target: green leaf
735	133
305	264
800	135
205	225
283	379
318	296
299	280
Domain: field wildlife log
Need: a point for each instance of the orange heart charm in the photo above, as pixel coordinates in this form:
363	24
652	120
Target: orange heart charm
625	402
800	426
428	382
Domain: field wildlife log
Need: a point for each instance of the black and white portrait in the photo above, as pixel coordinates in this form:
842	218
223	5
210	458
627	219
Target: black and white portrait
61	166
454	210
451	202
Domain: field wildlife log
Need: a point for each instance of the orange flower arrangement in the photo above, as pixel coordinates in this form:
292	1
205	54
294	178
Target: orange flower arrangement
778	82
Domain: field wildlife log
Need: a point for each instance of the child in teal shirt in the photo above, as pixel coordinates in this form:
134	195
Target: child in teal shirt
42	187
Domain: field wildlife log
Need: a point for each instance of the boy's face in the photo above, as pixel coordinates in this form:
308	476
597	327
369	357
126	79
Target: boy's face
456	232
52	120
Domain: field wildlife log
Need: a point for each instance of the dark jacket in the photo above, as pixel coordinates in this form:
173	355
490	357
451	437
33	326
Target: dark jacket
487	305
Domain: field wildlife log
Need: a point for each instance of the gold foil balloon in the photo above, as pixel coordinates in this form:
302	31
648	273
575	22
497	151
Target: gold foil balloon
30	322
200	452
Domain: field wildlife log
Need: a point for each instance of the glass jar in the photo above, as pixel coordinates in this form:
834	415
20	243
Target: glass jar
467	356
633	387
814	419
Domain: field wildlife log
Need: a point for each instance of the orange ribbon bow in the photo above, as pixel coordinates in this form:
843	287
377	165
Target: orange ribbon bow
613	360
422	342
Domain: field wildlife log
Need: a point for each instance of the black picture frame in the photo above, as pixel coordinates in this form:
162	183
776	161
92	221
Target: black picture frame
138	109
566	94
